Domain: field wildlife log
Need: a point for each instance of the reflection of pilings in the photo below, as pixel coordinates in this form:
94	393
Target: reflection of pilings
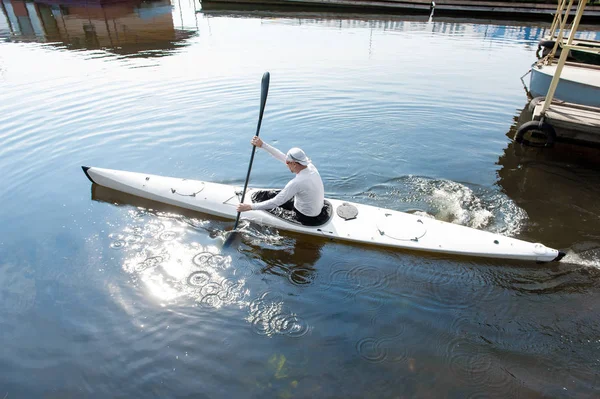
34	18
559	186
10	28
509	10
124	27
449	28
110	39
64	24
13	23
49	24
278	16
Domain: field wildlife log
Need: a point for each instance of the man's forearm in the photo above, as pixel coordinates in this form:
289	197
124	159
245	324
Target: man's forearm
280	156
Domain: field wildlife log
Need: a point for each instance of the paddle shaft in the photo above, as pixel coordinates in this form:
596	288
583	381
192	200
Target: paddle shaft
263	101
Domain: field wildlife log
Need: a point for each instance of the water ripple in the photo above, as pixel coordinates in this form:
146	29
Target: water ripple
383	349
302	276
199	278
353	280
269	316
472	365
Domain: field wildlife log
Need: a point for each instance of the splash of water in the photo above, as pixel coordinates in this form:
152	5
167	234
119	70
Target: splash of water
451	201
589	258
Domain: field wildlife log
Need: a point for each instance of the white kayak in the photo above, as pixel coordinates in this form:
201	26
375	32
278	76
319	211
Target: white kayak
349	221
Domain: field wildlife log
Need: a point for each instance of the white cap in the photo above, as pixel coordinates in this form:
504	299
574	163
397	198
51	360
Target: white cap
297	155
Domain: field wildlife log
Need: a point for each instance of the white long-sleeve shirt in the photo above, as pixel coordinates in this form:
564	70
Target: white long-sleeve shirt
306	189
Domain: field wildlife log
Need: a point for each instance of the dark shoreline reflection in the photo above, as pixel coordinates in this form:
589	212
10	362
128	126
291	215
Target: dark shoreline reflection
556	187
124	27
333	17
295	260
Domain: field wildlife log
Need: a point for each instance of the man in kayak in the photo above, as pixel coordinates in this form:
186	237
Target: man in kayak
302	199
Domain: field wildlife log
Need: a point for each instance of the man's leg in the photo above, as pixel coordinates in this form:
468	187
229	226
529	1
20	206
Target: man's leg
265	195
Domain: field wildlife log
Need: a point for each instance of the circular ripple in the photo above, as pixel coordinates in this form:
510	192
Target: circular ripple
281	324
269	316
202	258
302	276
370	349
256	305
134	239
243	268
219	261
211	288
260	326
370	300
500	381
367	277
148	263
264	301
278	323
198	279
228	295
154	228
340	281
229	283
447	286
230	290
469	363
118	244
340	276
395	349
211	300
167	236
296	326
139	214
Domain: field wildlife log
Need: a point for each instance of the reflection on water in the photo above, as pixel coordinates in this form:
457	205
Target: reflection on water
125	27
147	28
286	258
307	17
159	255
560	186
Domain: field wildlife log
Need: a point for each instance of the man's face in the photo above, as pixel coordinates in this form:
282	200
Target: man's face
291	166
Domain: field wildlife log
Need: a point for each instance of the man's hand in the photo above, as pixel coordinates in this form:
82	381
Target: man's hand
244	207
256	141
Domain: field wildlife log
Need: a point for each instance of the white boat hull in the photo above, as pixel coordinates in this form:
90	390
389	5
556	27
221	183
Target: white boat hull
372	225
577	84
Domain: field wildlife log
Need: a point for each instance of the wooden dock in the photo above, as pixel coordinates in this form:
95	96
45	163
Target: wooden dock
515	10
572	122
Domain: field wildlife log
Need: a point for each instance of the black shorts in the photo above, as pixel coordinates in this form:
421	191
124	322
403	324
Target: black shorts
288	212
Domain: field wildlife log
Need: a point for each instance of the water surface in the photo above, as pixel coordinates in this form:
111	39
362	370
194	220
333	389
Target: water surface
103	295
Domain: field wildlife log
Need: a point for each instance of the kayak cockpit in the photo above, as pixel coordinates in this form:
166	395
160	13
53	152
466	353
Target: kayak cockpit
287	213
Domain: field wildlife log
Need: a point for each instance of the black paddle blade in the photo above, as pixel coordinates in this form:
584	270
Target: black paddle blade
233	239
264	90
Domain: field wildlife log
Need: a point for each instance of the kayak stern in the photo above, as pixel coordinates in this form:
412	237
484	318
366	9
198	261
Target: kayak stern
560	255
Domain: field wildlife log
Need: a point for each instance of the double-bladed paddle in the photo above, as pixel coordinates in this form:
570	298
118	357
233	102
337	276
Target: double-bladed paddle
263	101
